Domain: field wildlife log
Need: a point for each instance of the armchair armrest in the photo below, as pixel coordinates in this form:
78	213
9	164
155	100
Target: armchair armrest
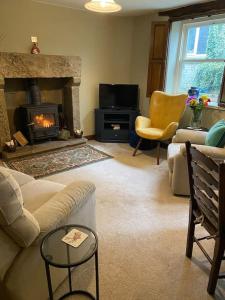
213	152
142	122
169	131
194	136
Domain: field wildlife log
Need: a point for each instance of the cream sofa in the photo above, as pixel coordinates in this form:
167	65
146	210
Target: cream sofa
176	157
36	207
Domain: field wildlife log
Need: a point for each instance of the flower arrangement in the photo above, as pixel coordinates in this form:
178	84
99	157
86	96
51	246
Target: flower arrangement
197	105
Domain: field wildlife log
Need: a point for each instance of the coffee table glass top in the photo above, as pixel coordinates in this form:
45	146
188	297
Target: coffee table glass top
59	254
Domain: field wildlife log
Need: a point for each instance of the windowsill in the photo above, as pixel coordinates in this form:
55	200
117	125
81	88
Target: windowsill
215	107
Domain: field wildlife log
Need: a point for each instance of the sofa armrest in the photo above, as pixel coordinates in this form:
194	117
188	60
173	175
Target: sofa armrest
214	152
194	136
57	210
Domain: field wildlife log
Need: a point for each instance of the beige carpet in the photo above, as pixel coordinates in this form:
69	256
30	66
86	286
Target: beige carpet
142	230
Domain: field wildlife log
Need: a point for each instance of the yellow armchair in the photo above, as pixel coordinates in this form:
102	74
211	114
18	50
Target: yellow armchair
165	113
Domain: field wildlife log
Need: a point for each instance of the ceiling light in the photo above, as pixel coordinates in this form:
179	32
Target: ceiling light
103	6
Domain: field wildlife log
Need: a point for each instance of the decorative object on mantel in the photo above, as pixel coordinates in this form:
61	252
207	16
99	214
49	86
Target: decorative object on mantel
20	138
103	6
78	133
52	162
10	146
34	49
197	104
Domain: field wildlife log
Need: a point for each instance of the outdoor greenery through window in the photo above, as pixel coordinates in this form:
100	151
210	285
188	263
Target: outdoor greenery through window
202	58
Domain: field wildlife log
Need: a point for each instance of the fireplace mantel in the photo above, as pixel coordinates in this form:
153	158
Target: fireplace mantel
21	65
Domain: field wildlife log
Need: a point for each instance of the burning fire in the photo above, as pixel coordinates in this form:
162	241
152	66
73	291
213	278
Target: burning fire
44	121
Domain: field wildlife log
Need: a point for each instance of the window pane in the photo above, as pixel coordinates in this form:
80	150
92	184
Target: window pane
207	76
191	40
202	41
207	42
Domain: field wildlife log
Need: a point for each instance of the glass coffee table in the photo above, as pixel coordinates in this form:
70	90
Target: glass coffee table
58	254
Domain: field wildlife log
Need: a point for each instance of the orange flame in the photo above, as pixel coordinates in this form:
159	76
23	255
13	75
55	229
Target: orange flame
44	121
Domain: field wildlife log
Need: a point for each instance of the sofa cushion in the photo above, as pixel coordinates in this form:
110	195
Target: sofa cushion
11	198
216	135
16	221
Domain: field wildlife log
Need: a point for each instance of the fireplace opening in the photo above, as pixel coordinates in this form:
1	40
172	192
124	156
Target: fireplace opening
40	107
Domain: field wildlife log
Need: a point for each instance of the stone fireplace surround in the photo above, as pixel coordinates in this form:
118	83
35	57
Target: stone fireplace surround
18	65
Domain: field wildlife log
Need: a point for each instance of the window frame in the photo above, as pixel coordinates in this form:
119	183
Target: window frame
181	57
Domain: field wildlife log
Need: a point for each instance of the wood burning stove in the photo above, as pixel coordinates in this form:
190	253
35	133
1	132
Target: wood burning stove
39	121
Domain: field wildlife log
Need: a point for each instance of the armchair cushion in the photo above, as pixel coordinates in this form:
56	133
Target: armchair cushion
216	135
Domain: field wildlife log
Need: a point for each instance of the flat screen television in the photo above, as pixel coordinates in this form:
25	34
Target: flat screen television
118	96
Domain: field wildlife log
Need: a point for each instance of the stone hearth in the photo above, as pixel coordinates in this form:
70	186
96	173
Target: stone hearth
21	66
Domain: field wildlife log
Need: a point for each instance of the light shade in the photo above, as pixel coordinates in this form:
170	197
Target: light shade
103	6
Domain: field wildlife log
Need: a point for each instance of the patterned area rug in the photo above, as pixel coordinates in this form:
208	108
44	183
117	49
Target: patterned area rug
56	161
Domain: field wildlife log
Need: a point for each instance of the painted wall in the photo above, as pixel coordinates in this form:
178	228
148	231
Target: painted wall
103	42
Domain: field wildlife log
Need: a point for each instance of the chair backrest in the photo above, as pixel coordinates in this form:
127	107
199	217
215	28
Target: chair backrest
207	188
165	109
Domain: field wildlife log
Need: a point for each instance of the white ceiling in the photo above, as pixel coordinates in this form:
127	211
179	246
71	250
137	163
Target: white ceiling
130	7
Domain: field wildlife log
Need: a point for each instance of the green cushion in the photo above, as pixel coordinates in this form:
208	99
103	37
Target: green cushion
216	135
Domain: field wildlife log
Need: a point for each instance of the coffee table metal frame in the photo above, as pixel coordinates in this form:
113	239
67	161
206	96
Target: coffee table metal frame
72	265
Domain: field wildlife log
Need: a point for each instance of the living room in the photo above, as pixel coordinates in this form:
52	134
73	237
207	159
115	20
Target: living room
132	198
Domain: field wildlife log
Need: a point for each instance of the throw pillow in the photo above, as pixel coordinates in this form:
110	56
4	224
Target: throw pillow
216	135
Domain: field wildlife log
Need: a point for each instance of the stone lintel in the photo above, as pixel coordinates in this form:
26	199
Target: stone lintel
22	65
2	83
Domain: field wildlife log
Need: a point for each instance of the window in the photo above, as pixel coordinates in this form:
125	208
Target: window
201	59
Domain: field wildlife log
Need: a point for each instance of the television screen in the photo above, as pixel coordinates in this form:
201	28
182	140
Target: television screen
118	96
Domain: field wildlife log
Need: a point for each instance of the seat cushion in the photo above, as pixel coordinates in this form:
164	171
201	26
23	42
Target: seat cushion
216	135
38	192
150	133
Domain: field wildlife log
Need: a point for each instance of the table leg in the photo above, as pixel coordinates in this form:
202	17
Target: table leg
96	275
70	281
48	275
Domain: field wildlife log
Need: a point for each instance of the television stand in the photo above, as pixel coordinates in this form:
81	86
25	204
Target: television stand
114	125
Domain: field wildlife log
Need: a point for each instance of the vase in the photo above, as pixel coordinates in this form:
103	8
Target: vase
196	118
193	91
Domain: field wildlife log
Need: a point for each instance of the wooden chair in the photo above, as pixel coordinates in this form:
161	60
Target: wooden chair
207	207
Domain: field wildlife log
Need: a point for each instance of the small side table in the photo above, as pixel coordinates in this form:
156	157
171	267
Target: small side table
58	254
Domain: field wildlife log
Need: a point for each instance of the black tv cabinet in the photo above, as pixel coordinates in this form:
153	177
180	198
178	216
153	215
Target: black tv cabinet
114	125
